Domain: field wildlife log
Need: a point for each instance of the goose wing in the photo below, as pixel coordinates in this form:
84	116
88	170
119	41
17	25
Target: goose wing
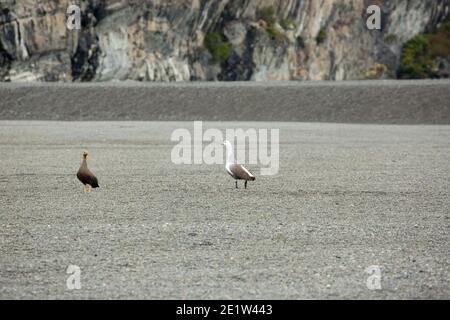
87	177
240	172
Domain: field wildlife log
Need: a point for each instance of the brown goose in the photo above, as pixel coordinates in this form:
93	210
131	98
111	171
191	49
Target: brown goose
237	171
86	176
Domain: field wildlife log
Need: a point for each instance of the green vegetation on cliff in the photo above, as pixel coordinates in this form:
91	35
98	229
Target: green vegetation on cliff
416	61
218	47
419	53
267	14
321	36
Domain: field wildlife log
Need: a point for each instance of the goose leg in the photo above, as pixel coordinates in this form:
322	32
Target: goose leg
89	188
236	185
245	184
84	188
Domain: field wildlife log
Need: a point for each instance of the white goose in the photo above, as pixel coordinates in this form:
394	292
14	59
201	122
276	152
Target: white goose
237	171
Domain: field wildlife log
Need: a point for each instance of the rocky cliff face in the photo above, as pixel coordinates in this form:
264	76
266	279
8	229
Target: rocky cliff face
181	40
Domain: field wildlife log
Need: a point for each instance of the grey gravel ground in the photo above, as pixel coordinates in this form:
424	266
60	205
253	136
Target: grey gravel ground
346	197
394	102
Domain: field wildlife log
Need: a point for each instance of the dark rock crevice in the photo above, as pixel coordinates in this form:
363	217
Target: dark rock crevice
5	57
84	61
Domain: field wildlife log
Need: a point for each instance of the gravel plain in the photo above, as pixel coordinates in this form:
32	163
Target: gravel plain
347	196
383	102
